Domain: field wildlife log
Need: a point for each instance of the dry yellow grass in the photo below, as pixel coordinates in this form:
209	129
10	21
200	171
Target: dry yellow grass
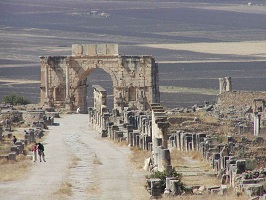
138	157
177	157
93	190
5	145
64	190
122	143
14	170
74	161
225	130
195	155
29	147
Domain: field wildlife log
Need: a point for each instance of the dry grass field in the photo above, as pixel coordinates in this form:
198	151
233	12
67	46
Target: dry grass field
64	191
14	170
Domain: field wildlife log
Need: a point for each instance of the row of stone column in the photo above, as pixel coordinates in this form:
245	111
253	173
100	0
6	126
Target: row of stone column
98	121
144	130
229	169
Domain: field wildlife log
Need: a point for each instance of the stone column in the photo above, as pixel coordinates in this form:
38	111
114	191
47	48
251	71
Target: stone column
182	143
256	124
163	126
194	142
130	135
221	83
164	160
46	84
105	120
167	184
67	100
228	84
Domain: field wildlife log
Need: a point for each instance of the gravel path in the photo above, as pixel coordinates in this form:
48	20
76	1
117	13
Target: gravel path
95	167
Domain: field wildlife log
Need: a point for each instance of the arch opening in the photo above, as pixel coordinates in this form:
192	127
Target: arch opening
99	77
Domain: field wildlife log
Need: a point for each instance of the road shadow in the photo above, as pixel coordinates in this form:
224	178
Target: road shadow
56	124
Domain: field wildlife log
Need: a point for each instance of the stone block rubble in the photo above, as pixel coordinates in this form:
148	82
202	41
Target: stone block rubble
36	119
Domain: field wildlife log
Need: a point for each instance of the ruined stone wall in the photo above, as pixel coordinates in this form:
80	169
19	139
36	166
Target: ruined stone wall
33	116
239	98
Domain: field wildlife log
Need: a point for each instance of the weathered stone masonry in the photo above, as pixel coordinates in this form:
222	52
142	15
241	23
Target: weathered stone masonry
64	78
228	97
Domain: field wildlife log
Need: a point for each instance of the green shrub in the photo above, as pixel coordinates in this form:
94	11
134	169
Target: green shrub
14	99
163	175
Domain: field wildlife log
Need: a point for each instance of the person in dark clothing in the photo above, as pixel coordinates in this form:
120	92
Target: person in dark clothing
14	139
41	152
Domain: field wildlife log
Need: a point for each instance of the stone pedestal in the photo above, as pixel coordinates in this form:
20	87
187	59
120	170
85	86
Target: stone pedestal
175	187
104	133
14	149
146	141
130	139
156	187
167	184
257	117
12	156
31	137
135	139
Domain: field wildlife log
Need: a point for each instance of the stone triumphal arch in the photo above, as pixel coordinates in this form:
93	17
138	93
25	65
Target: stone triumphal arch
64	78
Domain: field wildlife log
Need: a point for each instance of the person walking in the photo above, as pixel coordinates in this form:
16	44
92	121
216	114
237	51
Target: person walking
26	132
41	152
34	151
14	139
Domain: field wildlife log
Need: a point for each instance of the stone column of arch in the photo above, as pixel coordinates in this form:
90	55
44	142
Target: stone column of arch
67	82
47	96
68	103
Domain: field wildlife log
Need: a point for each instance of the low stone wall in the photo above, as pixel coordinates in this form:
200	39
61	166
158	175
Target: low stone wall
31	116
239	98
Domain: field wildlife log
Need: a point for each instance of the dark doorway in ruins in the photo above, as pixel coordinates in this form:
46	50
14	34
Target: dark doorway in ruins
100	77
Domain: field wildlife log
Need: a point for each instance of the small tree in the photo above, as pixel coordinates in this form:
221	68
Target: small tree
14	99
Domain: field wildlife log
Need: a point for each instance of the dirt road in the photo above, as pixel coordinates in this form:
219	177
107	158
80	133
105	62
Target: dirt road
93	167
